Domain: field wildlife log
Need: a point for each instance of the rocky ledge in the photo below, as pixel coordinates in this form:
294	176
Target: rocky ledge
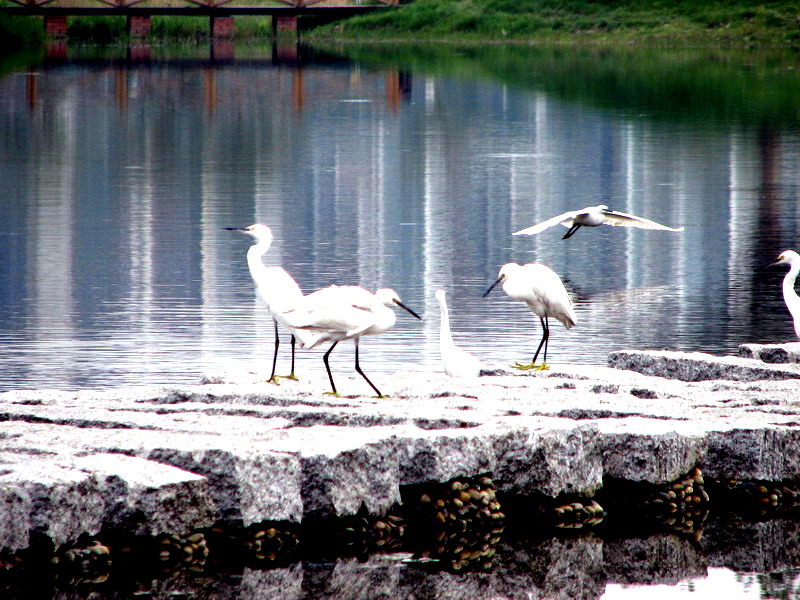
177	458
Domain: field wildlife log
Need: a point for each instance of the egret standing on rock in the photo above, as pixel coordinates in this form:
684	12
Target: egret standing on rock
456	362
541	289
276	287
593	216
338	313
791	258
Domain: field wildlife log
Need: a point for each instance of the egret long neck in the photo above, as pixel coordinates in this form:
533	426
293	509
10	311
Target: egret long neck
445	326
790	296
254	254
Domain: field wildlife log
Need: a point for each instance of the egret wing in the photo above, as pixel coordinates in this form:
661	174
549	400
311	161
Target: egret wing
616	218
564	219
336	311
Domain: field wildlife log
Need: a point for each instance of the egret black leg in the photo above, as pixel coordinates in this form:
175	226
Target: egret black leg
360	372
545	337
292	375
275	356
325	360
571	231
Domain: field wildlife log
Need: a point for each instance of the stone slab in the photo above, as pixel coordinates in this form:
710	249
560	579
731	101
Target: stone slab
772	353
244	449
698	366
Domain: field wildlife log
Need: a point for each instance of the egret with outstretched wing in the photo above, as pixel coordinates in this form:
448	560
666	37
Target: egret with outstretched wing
594	216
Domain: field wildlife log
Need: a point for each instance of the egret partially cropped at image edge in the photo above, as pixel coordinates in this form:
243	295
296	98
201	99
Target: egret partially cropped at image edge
594	216
337	313
456	362
791	258
542	290
275	286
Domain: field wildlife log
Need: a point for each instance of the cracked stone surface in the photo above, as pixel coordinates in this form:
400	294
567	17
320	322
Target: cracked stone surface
178	457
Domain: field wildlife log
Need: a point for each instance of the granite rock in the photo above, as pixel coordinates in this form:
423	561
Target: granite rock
177	457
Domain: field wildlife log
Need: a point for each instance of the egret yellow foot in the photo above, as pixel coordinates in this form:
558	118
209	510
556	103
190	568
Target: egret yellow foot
531	367
335	394
291	376
273	379
524	366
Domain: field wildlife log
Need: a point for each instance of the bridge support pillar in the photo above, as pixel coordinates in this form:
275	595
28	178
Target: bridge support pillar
222	27
55	26
138	26
284	25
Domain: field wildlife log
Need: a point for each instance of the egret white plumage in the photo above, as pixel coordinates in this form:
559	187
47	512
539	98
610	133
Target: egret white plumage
456	362
347	312
275	286
791	258
541	289
594	216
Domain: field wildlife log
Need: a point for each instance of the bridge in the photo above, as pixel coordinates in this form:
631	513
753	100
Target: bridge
221	13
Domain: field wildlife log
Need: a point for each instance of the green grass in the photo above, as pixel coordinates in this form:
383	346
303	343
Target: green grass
17	33
713	22
105	30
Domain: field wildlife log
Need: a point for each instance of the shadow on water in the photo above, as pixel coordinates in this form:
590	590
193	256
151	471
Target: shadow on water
755	88
758	89
529	563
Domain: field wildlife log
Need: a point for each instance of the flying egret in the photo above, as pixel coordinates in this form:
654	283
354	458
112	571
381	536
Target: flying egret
541	289
276	287
791	258
347	312
593	216
456	362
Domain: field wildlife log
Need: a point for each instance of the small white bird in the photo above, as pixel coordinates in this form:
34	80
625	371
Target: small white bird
593	216
456	362
791	258
347	312
541	289
275	286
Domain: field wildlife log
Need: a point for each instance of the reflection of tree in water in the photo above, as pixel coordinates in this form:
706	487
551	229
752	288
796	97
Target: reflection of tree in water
782	584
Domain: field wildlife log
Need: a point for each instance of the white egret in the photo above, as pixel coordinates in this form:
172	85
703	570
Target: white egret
456	362
541	289
791	258
593	216
275	286
347	312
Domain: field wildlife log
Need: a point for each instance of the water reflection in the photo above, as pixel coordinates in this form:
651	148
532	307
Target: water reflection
123	166
586	566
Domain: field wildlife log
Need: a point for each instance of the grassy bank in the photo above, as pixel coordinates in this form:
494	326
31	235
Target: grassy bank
728	22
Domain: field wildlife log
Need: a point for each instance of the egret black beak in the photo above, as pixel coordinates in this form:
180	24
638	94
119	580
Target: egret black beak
491	287
401	305
234	228
774	263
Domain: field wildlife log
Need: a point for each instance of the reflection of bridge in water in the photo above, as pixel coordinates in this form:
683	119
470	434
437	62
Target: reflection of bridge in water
286	54
220	13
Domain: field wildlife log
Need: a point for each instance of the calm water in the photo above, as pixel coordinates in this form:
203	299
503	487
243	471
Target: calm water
119	176
401	167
